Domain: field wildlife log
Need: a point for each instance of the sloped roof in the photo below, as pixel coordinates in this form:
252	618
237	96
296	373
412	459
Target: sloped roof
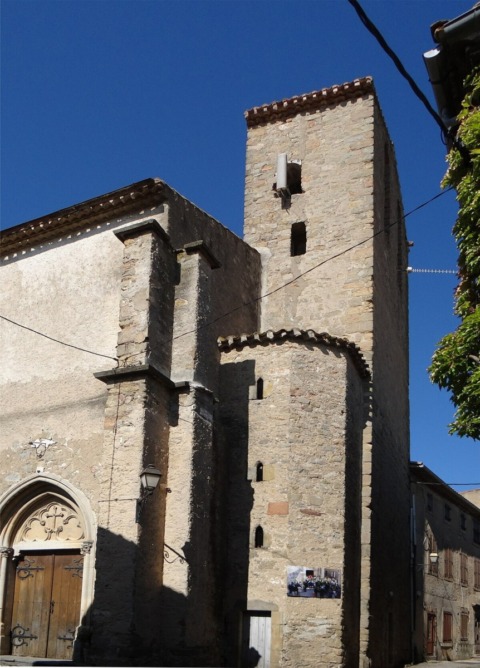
423	475
226	343
267	113
130	199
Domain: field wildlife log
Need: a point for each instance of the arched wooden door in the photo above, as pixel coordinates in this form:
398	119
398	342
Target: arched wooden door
46	603
44	577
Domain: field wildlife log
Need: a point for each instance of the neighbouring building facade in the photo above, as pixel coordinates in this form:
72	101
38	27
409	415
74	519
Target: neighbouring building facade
445	567
266	380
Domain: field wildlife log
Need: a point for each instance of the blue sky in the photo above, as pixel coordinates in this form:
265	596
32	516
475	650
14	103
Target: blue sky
98	94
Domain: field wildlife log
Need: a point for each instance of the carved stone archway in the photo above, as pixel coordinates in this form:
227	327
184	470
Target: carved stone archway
47	529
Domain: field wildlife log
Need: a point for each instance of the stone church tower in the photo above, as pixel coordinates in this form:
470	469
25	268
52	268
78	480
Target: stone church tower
331	436
265	379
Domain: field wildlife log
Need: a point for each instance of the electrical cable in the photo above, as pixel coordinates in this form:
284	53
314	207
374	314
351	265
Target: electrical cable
372	28
432	199
63	343
459	484
332	257
257	299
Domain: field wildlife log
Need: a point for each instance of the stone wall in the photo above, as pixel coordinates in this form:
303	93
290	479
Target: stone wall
388	513
444	522
350	281
306	432
141	291
335	147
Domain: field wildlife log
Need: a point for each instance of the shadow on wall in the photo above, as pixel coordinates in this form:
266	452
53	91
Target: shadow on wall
236	501
116	631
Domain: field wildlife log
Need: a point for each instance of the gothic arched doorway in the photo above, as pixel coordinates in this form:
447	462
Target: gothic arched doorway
46	541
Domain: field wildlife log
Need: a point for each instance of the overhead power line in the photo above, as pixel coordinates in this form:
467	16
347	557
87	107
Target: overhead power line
257	299
51	338
441	484
316	266
372	28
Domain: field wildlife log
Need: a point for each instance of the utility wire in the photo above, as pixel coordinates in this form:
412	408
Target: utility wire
257	299
307	271
372	28
432	199
458	484
63	343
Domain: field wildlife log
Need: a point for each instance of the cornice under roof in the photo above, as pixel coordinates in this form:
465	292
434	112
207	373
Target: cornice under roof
425	476
130	199
226	343
267	113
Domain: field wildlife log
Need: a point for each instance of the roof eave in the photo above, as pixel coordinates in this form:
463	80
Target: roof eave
309	102
118	203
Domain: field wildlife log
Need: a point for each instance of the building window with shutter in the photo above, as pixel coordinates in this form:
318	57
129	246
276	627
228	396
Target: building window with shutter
447	627
463	569
464	626
429	502
432	549
448	564
476	581
476	531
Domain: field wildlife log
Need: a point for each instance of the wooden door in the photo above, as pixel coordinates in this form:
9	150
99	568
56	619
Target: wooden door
33	584
431	638
257	632
46	606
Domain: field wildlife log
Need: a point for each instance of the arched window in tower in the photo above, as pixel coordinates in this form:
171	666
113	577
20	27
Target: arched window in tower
259	537
298	241
260	388
259	472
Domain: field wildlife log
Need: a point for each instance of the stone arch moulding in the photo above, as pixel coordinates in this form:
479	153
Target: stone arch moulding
22	511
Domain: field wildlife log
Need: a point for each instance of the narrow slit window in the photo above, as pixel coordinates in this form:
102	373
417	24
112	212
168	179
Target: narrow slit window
259	476
298	244
260	388
259	537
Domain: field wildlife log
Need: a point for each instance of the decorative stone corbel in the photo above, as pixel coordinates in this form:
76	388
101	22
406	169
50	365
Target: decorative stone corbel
86	547
6	551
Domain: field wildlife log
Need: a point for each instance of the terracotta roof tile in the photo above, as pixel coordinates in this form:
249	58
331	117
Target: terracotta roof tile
267	113
130	199
226	343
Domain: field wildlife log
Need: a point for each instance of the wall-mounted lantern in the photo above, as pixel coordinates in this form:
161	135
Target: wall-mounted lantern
149	479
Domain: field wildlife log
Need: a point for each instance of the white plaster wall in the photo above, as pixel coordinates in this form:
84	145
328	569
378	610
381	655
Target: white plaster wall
69	291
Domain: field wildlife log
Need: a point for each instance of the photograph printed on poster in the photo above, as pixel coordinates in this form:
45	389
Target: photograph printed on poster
303	582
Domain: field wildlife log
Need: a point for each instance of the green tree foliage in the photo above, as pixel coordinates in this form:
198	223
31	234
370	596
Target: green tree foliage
456	362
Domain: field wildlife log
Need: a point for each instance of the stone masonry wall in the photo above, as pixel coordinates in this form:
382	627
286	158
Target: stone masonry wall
389	638
224	294
304	431
351	281
335	146
437	589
